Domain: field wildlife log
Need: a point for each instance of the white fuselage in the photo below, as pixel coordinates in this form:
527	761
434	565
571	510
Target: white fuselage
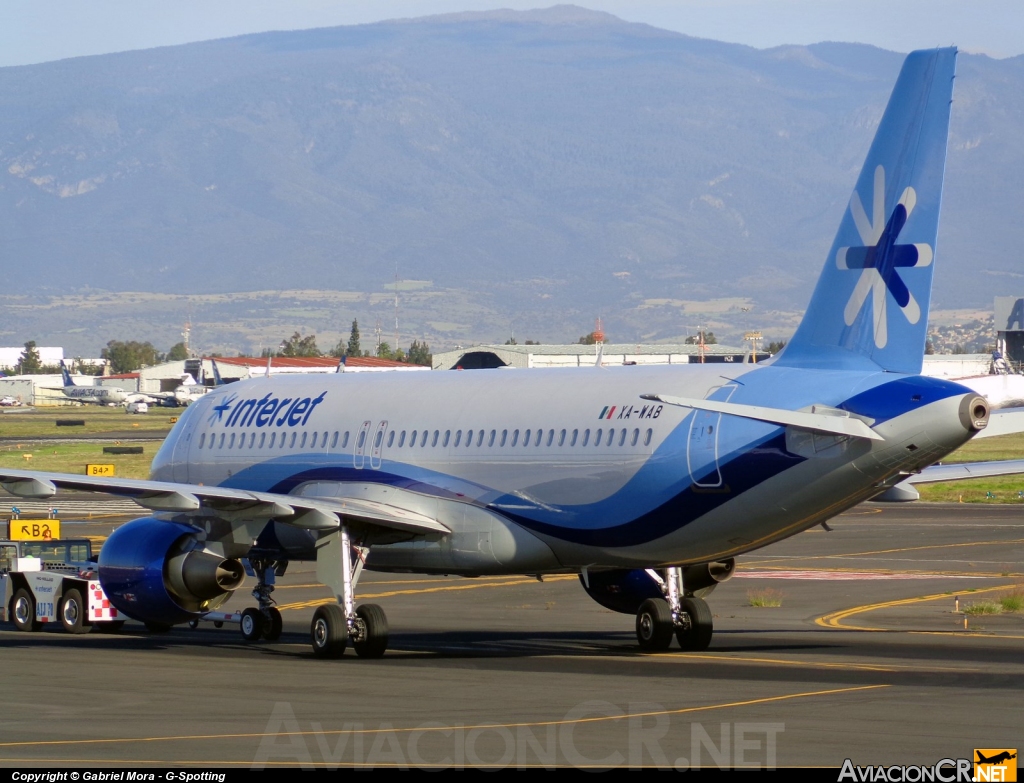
573	456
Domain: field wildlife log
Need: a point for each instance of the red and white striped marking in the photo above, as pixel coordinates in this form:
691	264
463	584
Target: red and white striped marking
99	605
841	576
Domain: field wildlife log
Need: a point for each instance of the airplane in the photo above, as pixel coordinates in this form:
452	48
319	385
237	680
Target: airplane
181	396
996	759
98	395
647	482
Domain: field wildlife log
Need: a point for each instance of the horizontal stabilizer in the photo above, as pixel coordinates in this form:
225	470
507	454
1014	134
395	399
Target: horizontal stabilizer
966	470
1003	422
833	423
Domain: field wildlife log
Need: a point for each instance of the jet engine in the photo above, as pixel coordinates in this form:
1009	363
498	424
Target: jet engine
623	590
159	572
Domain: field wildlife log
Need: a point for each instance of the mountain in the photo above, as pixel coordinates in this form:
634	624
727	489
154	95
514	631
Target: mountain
531	169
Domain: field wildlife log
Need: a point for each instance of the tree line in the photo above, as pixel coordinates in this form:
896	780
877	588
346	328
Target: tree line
126	356
300	345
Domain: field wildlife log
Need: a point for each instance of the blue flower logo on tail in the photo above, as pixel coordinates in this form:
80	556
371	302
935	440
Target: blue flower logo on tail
880	257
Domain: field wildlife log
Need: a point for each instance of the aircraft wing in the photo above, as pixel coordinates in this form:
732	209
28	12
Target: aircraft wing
302	512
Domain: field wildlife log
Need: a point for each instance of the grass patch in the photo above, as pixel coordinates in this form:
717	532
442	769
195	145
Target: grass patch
99	421
1013	601
1004	489
73	457
983	607
768	597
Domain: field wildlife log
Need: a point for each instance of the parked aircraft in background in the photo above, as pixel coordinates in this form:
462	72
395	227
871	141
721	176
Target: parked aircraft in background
648	482
97	395
185	394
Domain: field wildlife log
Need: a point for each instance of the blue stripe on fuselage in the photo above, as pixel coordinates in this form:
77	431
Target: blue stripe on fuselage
657	500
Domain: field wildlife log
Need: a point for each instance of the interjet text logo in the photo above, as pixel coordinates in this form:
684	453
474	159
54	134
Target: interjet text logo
879	258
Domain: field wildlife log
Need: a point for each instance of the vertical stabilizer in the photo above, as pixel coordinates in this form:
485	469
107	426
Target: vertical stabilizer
871	301
66	375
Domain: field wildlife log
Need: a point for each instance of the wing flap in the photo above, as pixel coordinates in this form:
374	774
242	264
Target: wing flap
304	512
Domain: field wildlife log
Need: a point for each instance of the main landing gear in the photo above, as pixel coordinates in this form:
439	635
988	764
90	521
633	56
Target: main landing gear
335	625
263	622
686	617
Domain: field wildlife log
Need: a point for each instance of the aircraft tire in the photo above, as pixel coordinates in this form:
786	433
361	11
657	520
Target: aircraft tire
329	632
72	612
251	624
274	625
23	611
654	625
698	636
375	637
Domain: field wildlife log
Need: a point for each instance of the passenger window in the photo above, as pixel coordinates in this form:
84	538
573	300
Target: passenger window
213	439
378	439
504	437
586	437
231	443
433	441
312	443
252	439
412	439
647	438
323	441
515	437
291	443
362	439
574	434
469	438
597	437
334	440
561	438
458	438
273	439
302	443
526	438
636	435
447	437
622	438
391	439
263	439
480	439
490	440
344	440
401	439
222	440
551	437
202	440
284	439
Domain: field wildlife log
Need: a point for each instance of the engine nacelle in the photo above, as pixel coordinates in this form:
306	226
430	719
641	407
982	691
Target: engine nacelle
623	590
157	571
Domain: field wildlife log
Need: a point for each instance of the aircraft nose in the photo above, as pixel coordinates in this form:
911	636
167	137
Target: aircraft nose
974	413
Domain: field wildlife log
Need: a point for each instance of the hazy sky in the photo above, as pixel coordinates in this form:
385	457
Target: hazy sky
33	31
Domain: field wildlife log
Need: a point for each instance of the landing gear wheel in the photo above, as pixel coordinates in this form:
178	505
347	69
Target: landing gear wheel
23	611
329	632
193	624
218	624
251	624
374	639
158	627
274	625
72	612
113	626
697	635
654	625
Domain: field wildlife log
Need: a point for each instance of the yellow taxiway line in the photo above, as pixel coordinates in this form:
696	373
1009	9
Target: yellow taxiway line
835	619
